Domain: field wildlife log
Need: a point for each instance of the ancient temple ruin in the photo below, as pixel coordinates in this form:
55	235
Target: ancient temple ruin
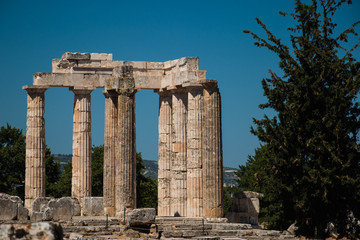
190	141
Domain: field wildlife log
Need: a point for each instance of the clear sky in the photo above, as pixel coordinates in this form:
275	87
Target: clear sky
32	33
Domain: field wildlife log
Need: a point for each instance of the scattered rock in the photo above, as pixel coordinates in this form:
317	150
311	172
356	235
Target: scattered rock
292	229
75	236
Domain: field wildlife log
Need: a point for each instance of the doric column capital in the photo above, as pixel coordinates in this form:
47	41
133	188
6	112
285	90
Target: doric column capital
129	92
163	92
178	90
121	81
211	86
110	93
82	90
193	86
35	89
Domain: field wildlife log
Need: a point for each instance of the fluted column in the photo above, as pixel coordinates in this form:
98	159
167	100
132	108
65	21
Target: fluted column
35	144
125	162
165	153
81	148
178	162
212	152
110	141
194	160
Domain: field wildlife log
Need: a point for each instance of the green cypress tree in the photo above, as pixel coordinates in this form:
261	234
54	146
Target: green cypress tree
311	143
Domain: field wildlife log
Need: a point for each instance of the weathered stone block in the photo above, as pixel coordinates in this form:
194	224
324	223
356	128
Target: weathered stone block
47	214
141	216
76	56
23	213
101	56
93	206
75	236
40	203
9	206
245	207
12	198
36	216
63	208
8	209
216	220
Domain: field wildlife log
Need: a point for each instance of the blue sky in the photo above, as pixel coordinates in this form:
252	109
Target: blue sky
35	32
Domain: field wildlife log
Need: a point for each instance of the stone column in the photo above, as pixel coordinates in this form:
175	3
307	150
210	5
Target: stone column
35	144
178	162
125	180
165	153
194	161
81	148
110	141
212	152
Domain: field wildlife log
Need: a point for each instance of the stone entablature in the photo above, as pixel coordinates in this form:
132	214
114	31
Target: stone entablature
190	141
98	70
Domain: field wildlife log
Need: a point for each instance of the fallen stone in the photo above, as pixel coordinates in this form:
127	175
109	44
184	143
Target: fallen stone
22	213
8	209
40	230
64	208
141	216
40	203
36	216
47	214
75	236
93	206
12	198
292	229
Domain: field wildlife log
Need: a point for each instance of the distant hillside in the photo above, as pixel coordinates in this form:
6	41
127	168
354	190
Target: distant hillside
151	169
63	159
229	173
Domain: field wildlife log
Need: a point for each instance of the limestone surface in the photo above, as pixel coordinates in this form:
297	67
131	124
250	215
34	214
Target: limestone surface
9	206
141	216
93	206
245	207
